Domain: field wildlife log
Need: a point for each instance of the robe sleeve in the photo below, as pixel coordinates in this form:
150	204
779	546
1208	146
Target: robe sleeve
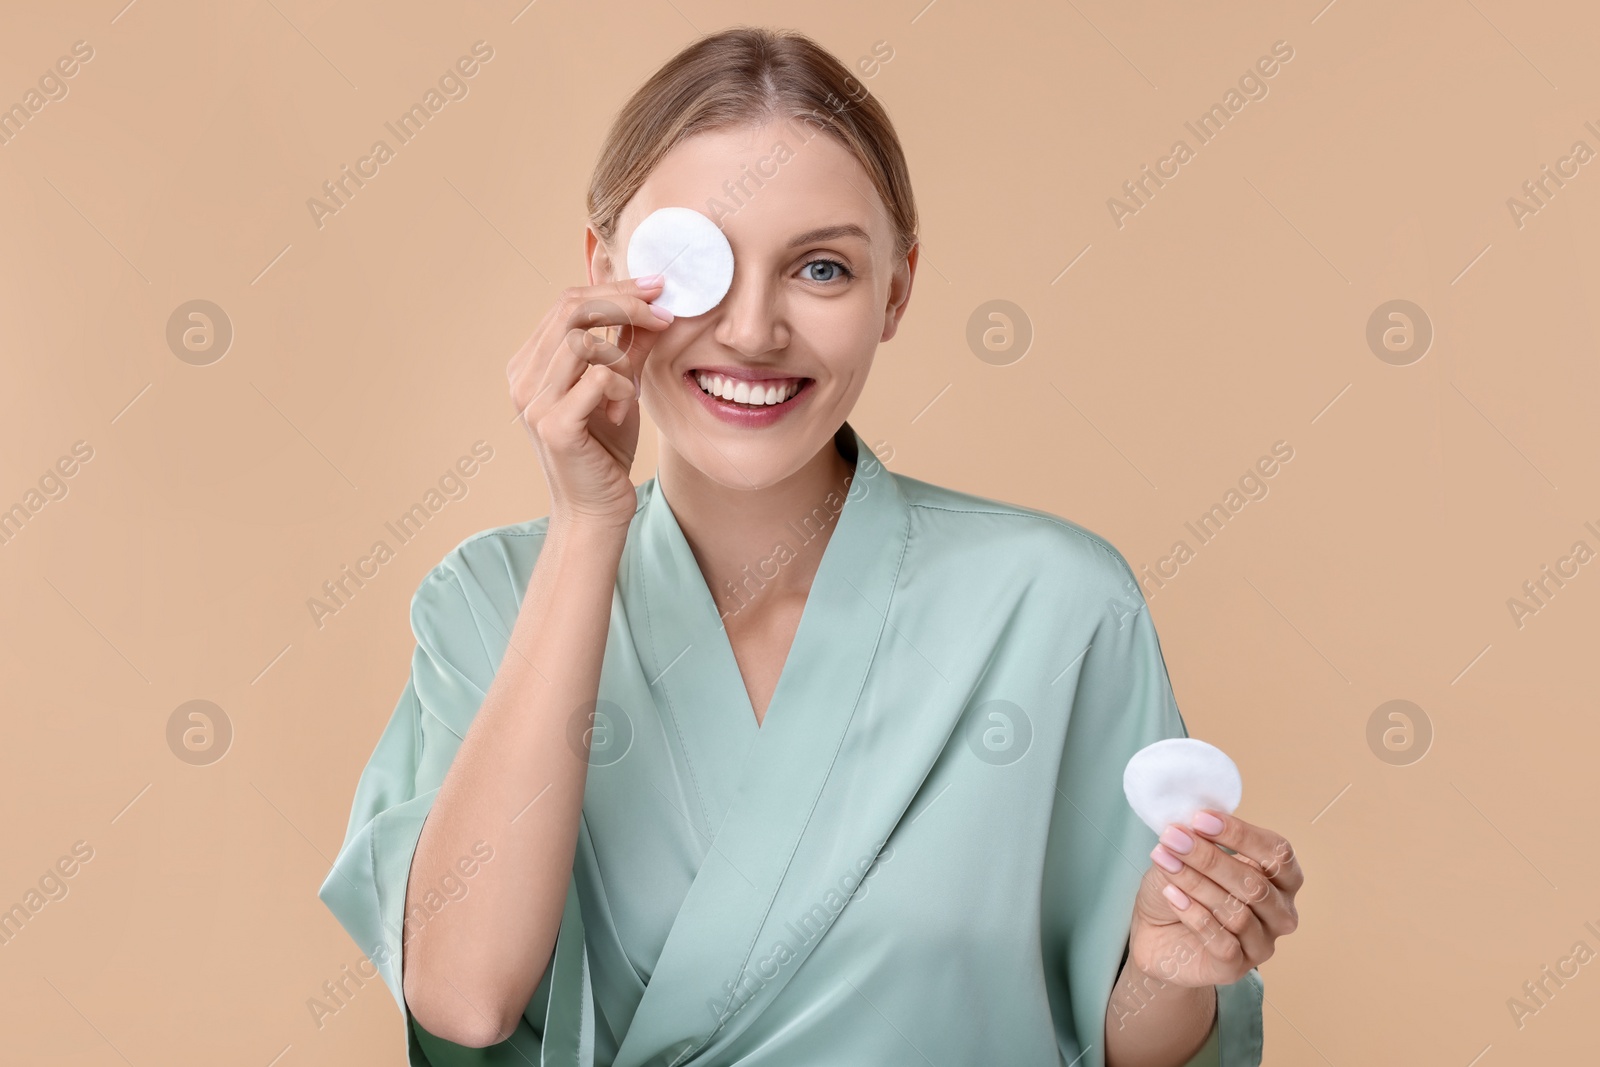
366	889
1098	848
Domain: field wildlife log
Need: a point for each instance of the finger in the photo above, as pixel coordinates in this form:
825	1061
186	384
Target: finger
565	366
567	421
638	287
581	348
1269	852
1235	873
637	325
614	304
1234	915
1215	938
588	306
556	375
620	304
531	350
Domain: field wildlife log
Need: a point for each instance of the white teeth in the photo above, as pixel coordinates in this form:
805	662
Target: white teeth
743	392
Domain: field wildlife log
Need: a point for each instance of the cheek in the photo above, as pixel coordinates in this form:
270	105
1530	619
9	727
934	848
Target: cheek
854	356
852	376
658	365
657	369
661	382
843	332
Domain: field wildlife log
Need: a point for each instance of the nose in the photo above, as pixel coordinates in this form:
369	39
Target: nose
750	319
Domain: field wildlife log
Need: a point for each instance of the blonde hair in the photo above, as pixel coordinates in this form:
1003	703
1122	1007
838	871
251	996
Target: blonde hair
749	76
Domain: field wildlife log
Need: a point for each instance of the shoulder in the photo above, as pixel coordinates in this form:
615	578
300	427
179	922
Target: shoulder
485	572
1000	534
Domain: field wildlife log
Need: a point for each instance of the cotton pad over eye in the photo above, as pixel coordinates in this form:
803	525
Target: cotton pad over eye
690	251
1171	780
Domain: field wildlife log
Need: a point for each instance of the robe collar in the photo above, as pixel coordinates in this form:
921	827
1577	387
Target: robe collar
751	789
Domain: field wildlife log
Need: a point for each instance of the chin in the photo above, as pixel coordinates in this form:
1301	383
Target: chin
738	452
735	461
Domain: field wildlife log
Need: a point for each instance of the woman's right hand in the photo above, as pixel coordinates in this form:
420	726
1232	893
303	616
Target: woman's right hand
577	397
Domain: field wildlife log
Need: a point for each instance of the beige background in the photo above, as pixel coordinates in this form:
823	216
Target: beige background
1230	312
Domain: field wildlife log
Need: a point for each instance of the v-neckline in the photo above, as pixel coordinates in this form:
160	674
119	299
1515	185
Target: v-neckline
845	441
757	788
788	655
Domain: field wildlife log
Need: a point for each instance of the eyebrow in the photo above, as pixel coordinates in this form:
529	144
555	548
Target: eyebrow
826	233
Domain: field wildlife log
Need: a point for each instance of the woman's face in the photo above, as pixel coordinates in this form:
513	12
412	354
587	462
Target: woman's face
816	287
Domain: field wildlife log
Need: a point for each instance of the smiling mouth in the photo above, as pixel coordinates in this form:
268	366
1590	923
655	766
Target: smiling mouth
767	393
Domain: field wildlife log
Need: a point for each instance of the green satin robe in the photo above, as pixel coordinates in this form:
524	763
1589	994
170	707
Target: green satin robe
922	856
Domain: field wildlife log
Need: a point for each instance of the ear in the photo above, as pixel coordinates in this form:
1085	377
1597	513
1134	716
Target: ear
597	257
900	291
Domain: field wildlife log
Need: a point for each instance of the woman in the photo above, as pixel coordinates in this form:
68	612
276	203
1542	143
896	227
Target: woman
782	758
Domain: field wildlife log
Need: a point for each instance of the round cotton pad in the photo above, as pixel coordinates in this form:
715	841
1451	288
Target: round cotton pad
1171	780
690	251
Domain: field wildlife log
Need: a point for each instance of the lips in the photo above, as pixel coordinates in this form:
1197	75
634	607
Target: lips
749	392
766	400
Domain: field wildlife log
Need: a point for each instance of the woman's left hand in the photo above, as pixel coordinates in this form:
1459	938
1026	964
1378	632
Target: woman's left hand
1237	905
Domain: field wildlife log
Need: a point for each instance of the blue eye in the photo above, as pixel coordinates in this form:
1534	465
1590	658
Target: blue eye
840	270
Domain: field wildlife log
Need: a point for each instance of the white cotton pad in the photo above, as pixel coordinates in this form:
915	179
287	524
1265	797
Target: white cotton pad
1169	781
690	251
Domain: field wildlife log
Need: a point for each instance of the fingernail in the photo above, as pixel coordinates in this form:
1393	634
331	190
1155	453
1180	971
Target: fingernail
1166	859
1176	839
650	281
662	313
1179	898
1206	823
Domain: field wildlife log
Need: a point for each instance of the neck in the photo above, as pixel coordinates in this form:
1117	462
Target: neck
754	543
